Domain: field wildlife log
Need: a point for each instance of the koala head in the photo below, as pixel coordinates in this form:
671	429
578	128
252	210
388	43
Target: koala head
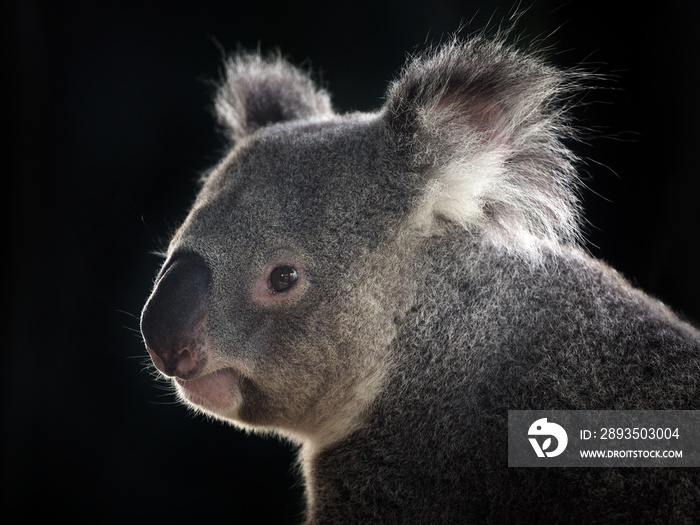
283	288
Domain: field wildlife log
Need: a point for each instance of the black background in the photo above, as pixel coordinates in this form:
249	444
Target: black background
107	127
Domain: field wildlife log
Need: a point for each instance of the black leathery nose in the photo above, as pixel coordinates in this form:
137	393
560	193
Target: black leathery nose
171	321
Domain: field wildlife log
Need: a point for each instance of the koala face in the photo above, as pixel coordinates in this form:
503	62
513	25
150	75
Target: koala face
251	310
280	296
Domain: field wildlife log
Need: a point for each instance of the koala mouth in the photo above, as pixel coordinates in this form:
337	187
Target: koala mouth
216	392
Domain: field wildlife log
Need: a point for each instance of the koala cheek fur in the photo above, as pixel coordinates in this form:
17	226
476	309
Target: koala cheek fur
382	288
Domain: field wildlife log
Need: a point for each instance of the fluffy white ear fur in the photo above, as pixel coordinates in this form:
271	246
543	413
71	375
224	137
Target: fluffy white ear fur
258	91
483	124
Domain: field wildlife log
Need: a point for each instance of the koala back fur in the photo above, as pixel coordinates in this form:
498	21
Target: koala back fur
437	281
430	453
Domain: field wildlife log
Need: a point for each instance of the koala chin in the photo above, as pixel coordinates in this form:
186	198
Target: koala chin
382	288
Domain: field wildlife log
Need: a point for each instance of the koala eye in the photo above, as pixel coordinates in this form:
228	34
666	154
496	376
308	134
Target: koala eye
282	278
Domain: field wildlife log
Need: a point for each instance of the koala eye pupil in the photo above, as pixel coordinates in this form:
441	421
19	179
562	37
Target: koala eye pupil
283	278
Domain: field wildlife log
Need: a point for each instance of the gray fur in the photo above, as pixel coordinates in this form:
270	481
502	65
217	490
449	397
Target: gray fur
441	283
257	93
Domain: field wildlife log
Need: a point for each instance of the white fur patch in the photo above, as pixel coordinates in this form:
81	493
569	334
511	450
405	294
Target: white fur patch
484	126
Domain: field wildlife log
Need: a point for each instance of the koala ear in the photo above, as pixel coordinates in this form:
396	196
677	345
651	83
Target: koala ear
257	92
483	125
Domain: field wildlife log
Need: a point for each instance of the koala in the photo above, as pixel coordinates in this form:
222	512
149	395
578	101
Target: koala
381	288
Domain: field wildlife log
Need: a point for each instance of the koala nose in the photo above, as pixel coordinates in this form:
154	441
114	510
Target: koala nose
172	322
